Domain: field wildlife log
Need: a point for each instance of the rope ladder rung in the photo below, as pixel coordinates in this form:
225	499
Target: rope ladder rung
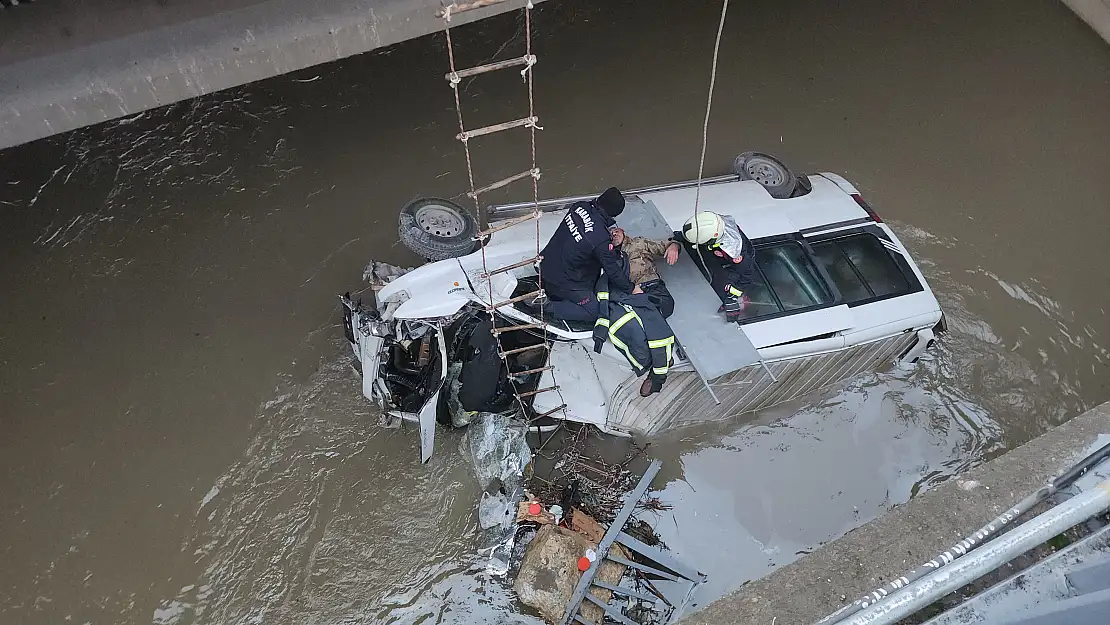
467	135
548	413
521	350
536	370
513	300
454	77
528	261
545	389
503	330
534	173
508	223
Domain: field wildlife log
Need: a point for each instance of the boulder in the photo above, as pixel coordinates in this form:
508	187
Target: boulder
549	573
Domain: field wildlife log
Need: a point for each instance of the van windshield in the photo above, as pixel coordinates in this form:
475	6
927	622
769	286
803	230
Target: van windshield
861	267
787	281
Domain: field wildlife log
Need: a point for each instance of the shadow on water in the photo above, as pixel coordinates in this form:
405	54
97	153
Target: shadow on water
791	478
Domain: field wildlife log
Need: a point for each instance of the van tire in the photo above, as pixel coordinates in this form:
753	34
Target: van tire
437	229
804	186
768	171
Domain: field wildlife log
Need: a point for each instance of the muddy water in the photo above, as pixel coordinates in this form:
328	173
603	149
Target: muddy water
183	442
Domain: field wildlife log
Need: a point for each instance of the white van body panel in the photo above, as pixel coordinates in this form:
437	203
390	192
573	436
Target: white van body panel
801	352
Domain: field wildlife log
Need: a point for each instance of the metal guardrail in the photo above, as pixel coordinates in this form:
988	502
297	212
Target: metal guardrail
985	559
978	554
1071	586
977	538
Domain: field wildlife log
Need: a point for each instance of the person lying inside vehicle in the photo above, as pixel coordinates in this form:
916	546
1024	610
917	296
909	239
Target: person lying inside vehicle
635	324
642	254
725	256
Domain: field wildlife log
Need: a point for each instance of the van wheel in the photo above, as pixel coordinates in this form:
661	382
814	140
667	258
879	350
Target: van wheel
437	229
804	186
768	171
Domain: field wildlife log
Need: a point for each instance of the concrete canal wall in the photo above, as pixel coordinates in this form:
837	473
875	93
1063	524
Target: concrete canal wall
1095	12
65	65
805	591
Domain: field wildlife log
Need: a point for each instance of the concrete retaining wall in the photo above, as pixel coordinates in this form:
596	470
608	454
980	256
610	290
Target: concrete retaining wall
807	590
64	65
72	63
1095	12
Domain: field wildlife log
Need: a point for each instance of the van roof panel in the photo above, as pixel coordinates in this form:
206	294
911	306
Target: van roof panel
755	211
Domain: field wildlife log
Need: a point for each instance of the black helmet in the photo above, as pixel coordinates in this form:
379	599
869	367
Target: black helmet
611	202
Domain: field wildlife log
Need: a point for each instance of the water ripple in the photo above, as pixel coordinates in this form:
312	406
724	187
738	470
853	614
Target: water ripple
327	517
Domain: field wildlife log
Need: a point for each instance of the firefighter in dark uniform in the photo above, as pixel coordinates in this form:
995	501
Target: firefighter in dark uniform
633	323
576	254
725	255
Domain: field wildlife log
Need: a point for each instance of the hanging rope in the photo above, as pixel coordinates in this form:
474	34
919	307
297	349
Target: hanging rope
705	127
709	103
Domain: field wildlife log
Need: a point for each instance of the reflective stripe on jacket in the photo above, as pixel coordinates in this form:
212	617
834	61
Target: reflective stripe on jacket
637	329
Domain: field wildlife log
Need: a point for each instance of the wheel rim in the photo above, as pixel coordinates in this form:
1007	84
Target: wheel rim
765	172
440	221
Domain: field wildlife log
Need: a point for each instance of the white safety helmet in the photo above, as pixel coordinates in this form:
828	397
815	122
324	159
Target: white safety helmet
703	227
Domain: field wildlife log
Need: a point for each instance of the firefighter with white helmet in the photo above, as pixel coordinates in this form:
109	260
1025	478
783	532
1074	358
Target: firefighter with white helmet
723	252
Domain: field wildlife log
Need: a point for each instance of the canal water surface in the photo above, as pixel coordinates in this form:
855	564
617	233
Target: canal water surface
184	442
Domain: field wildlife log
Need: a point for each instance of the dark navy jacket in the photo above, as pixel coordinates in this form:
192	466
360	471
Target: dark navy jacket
578	251
636	327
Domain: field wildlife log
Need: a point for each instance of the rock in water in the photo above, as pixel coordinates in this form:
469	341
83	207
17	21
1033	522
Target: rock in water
549	573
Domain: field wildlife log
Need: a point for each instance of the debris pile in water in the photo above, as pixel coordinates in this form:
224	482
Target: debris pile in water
554	535
598	486
499	454
549	573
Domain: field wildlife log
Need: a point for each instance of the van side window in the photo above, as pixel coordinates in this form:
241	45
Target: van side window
861	267
786	281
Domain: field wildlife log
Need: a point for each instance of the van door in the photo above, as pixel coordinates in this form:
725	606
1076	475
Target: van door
825	324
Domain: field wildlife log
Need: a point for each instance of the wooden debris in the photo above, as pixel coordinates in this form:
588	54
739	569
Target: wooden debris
585	525
543	518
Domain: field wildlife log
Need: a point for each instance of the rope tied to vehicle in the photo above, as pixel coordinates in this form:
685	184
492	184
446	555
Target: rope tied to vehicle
705	123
